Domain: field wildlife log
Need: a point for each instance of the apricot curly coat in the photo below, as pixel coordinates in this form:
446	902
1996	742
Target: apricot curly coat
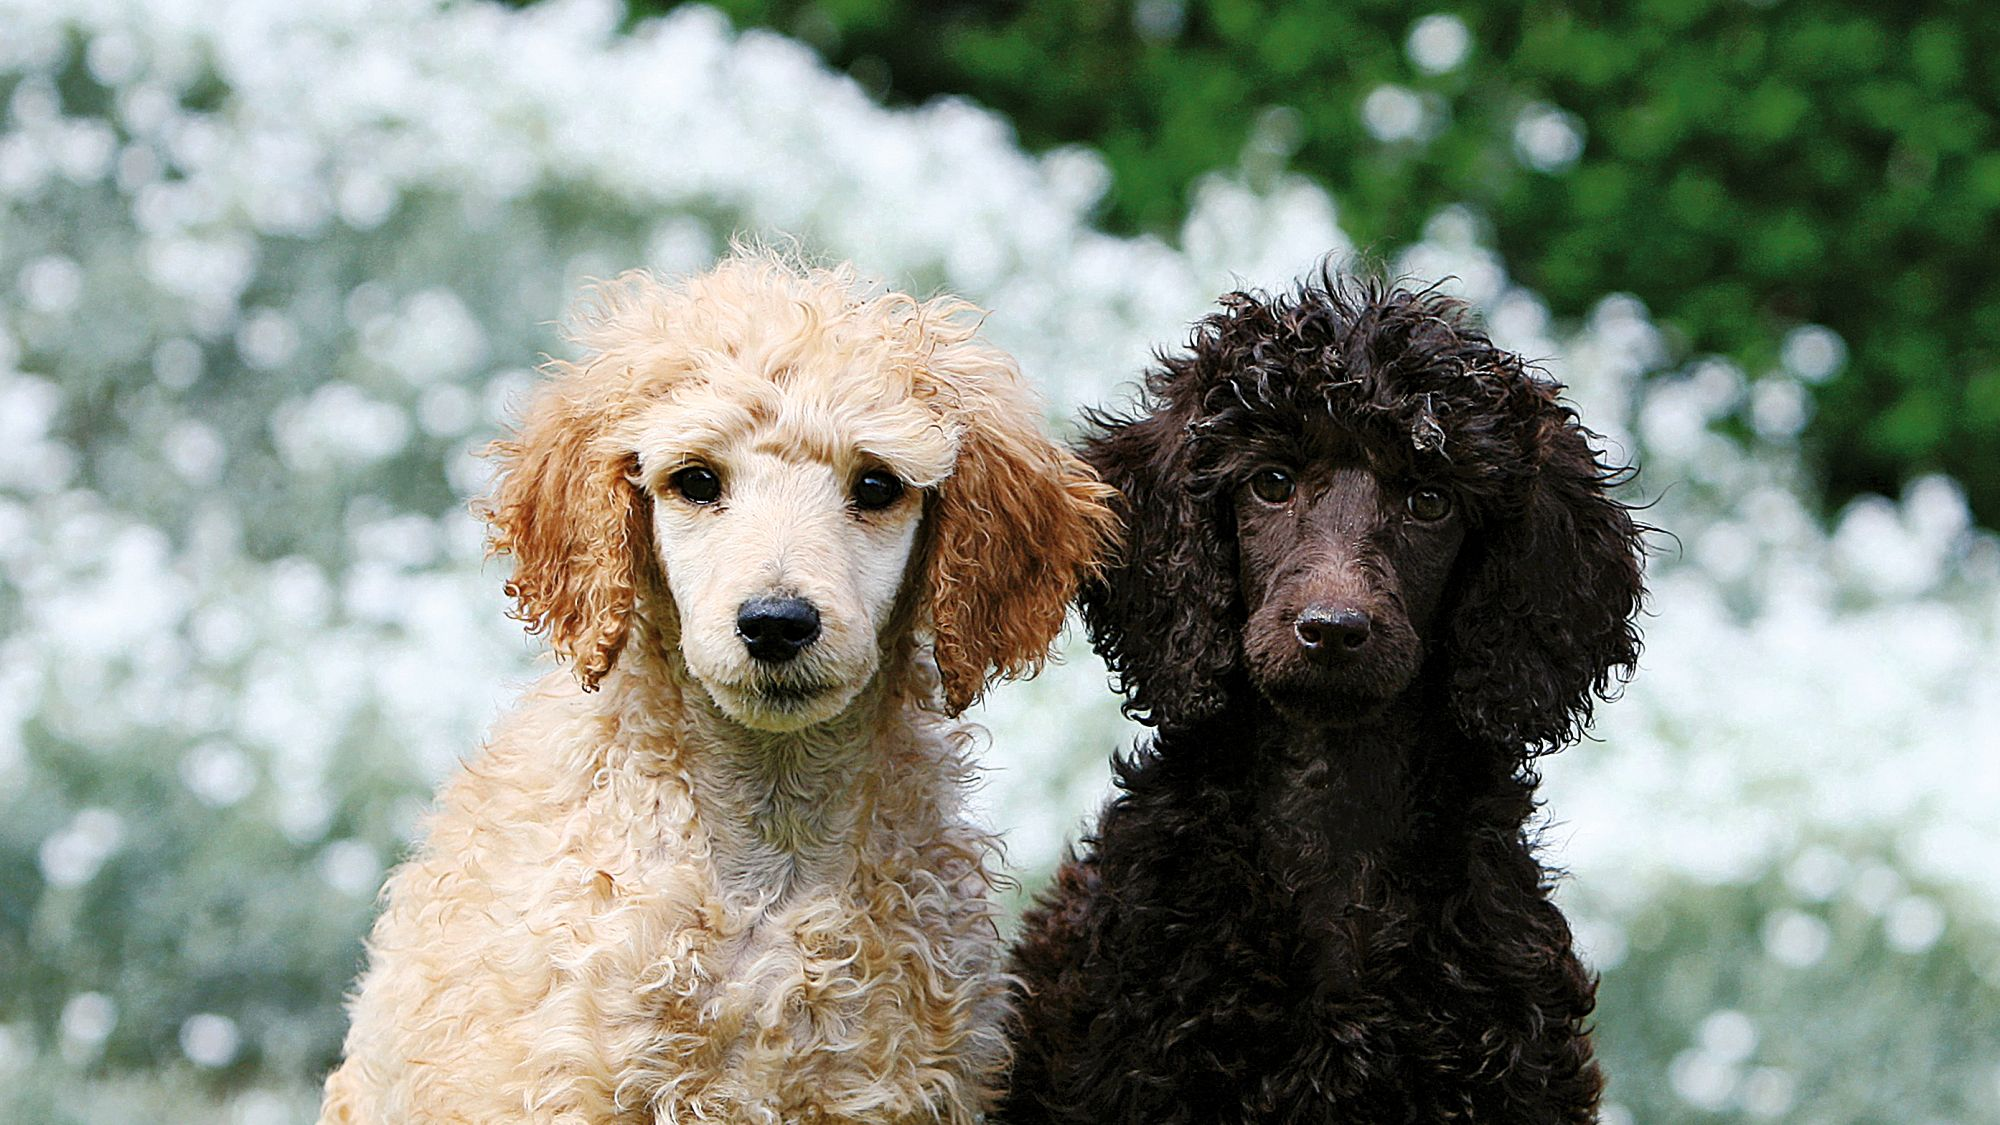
1371	570
681	885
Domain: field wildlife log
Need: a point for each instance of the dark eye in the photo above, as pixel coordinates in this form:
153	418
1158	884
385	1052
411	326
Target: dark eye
697	483
1430	504
877	489
1272	486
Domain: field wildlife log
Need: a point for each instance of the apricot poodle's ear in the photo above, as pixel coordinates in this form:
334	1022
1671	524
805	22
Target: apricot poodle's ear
1016	526
1544	623
1166	614
575	523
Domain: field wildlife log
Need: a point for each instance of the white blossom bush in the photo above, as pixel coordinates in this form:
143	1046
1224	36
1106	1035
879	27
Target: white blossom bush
271	274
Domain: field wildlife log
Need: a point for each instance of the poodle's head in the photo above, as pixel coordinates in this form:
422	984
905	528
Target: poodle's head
800	473
1340	488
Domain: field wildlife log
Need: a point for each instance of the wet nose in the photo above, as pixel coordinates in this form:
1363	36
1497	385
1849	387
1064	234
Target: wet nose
777	629
1326	632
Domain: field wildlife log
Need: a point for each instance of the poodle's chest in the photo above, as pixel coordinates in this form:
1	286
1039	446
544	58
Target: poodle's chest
826	1006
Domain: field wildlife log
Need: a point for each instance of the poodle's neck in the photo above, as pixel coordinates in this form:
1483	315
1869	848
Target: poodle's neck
780	811
1396	797
1344	791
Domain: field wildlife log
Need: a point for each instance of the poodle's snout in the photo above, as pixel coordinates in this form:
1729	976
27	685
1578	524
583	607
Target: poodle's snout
1328	633
777	629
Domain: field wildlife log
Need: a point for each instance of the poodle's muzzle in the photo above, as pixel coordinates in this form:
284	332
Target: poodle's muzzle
1340	585
1329	640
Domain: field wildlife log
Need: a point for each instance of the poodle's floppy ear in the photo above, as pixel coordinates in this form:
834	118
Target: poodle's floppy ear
573	520
1016	526
1165	614
1544	619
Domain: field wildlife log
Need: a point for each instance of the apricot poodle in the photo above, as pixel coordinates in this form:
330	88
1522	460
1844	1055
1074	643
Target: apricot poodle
781	527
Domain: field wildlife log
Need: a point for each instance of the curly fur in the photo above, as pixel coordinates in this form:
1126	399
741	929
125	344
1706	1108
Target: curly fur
1316	898
646	902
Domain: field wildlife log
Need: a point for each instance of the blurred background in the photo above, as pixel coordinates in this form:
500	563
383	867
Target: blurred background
271	272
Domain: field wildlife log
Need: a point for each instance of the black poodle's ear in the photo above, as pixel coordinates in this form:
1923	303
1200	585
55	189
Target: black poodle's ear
1164	613
1543	623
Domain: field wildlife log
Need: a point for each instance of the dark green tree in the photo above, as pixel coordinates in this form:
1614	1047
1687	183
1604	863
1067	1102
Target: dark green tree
1746	167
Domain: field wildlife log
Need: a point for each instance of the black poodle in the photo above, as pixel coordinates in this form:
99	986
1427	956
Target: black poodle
1372	571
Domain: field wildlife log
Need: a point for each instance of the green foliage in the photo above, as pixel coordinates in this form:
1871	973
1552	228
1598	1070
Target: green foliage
1746	167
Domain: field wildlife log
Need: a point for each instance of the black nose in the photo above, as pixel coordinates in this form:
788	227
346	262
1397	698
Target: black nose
1327	631
777	629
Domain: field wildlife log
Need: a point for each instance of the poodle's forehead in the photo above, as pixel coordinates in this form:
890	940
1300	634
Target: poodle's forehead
834	413
1329	430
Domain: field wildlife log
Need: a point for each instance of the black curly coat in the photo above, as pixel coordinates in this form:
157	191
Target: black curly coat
1371	571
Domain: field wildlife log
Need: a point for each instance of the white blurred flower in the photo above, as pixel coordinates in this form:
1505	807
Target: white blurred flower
1452	256
1548	139
1727	550
365	200
84	150
23	166
297	593
351	867
1438	43
218	774
73	855
1778	408
1394	113
304	810
1817	874
1159	19
267	340
1934	510
87	1021
1716	384
113	58
51	284
144	108
1702	1080
445	410
35	102
339	426
1674	422
28	407
1601	943
680	245
1768	1092
433	337
260	1107
1814	352
209	1040
195	451
1518	321
211	271
1796	939
1914	924
121	593
16	1048
1872	545
177	363
404	542
220	632
1728	1035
